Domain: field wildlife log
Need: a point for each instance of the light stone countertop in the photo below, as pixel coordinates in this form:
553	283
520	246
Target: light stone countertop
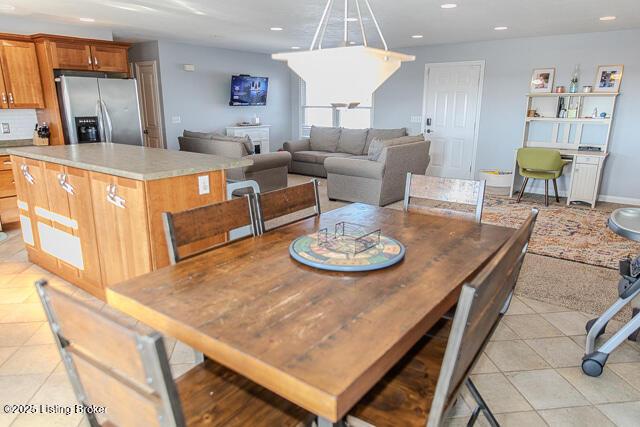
6	145
128	161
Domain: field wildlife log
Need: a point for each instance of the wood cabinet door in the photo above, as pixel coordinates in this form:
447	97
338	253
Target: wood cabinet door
110	58
122	232
71	56
21	74
4	97
32	195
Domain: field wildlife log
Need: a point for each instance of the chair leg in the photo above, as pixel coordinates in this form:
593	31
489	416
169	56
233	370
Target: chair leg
555	189
524	185
546	192
482	406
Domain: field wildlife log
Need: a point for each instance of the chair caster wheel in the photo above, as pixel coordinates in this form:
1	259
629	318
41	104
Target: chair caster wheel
593	364
590	323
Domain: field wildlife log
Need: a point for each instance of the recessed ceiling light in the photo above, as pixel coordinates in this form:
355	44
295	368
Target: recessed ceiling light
607	18
7	7
352	19
276	28
500	28
295	47
87	19
417	36
449	6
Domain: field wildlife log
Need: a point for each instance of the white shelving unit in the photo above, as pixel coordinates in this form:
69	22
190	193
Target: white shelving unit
569	135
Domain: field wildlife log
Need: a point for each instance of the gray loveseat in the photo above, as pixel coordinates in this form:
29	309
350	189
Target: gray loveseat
269	170
308	154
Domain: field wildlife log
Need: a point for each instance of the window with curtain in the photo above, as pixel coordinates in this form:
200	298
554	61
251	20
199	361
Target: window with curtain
317	111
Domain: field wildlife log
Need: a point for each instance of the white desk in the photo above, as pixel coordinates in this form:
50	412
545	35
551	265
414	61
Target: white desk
259	135
584	175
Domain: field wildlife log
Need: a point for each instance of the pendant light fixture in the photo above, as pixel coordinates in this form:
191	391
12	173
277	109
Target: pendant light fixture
346	75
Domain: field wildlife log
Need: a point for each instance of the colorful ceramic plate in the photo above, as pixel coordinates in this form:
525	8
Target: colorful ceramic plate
306	250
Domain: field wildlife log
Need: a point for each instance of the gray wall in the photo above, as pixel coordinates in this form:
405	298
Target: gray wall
509	64
201	98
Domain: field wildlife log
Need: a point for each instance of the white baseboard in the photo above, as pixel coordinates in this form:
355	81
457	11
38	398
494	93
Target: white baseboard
601	198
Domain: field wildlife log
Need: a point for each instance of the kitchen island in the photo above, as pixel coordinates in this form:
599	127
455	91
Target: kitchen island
92	213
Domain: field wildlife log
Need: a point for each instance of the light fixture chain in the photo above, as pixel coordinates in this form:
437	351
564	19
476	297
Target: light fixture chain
346	22
320	26
364	35
375	21
326	24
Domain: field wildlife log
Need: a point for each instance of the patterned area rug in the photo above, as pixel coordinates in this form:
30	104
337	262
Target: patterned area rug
574	233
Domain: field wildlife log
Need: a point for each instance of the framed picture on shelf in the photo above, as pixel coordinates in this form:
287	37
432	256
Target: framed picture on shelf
542	80
608	78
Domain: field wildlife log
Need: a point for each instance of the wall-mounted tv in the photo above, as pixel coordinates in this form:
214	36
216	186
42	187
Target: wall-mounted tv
247	90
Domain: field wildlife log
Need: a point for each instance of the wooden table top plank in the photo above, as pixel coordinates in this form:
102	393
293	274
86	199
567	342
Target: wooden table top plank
320	339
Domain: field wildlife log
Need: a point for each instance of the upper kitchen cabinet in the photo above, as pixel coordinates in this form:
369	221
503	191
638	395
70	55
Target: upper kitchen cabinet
110	58
71	55
87	55
20	75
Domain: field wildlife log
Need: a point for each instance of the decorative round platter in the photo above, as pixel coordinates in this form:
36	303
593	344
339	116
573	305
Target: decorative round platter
309	251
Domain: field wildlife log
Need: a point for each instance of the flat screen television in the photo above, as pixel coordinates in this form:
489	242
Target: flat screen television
247	90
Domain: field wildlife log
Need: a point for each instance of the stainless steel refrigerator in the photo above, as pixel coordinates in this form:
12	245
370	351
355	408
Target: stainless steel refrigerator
97	109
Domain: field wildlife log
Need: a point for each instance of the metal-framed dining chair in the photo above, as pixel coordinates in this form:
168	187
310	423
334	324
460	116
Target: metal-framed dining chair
455	191
194	231
124	370
274	205
425	384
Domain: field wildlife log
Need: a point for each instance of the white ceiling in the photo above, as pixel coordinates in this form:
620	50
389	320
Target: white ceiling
244	24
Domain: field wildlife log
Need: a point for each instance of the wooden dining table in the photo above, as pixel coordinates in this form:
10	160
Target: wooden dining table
317	338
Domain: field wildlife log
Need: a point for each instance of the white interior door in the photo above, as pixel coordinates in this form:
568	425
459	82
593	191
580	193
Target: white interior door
450	117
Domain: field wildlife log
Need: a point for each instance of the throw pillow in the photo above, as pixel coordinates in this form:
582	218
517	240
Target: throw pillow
324	138
383	134
377	146
352	141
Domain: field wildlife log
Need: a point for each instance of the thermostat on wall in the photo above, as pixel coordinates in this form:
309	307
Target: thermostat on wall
189	67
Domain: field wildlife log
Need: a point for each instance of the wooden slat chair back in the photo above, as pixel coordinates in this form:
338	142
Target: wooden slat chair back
276	204
111	365
194	231
448	190
481	305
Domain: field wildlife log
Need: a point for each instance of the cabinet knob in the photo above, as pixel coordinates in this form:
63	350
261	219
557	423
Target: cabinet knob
90	63
95	60
10	98
4	98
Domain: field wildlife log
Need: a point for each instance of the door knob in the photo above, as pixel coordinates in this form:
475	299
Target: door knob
429	131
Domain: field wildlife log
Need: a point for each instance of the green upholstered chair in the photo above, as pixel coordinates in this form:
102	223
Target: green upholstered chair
540	163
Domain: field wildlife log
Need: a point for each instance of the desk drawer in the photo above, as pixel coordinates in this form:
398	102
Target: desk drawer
7	185
587	160
5	163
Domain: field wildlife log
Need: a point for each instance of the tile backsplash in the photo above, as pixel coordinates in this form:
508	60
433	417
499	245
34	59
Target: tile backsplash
21	124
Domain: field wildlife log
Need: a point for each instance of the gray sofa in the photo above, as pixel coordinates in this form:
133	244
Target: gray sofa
308	155
269	170
378	180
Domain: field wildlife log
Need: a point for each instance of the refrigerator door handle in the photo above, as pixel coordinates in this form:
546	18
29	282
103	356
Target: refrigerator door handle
100	121
107	120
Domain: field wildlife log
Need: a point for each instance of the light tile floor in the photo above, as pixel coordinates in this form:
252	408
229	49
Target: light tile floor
529	374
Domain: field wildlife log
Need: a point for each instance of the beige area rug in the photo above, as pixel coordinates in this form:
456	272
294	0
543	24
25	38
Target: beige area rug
574	233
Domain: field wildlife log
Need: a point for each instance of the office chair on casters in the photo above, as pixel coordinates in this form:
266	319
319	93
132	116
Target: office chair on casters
626	223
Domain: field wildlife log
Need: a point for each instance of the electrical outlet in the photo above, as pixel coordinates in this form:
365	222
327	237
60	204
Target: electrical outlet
176	119
6	128
203	184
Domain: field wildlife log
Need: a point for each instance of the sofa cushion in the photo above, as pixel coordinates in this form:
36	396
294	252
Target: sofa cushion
315	156
352	141
383	134
324	138
378	145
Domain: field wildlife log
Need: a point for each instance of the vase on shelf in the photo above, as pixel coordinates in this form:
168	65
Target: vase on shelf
573	87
